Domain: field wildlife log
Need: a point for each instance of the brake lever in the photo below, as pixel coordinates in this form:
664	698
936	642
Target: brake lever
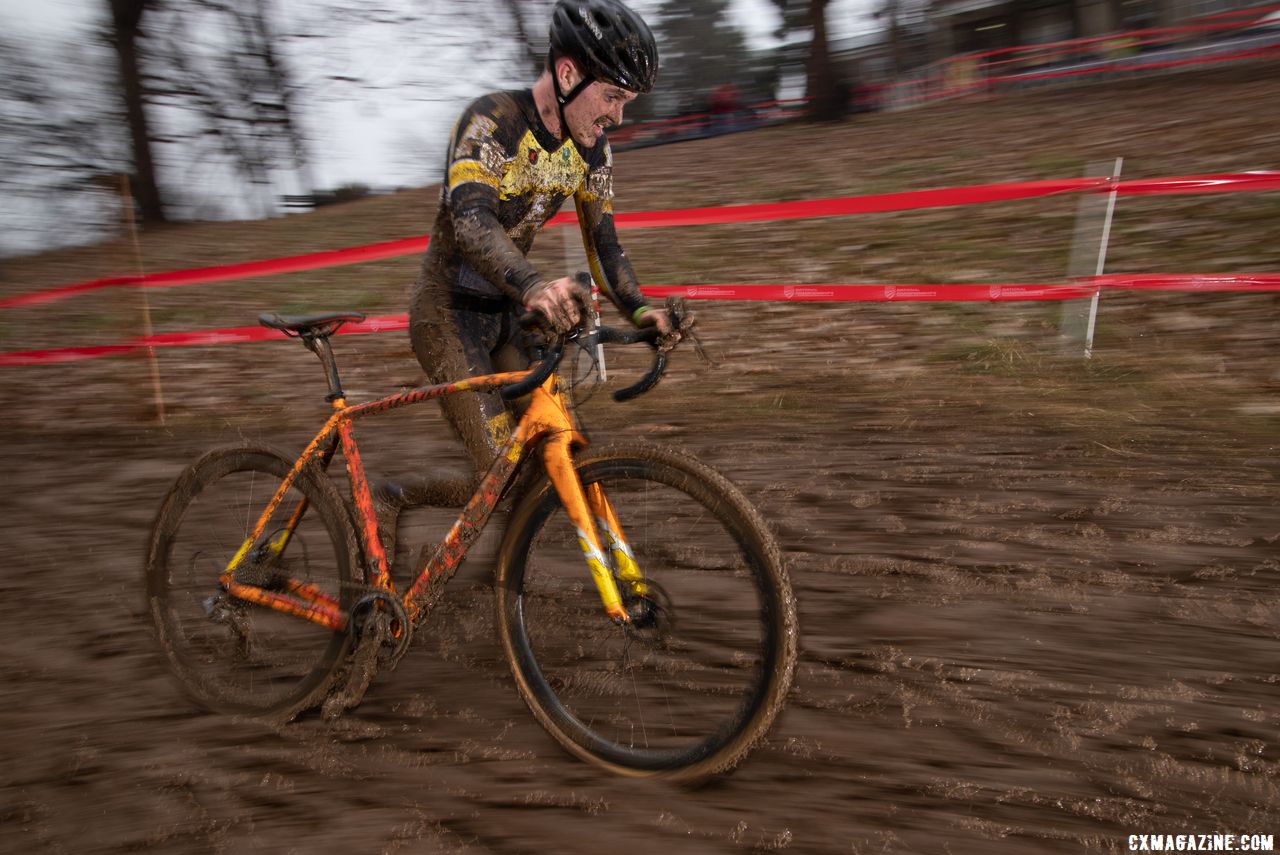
684	321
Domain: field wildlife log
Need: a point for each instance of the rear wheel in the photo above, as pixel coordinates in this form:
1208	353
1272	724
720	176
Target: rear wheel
230	655
701	672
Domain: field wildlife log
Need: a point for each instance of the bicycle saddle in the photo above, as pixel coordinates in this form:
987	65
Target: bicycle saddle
309	325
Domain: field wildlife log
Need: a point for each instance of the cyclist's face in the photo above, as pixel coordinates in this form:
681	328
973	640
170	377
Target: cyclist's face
598	107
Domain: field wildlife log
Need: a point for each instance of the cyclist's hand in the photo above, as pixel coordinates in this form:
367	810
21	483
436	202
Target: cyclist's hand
660	318
560	301
669	334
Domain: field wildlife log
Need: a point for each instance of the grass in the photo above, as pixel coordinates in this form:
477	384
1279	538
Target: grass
1181	124
947	145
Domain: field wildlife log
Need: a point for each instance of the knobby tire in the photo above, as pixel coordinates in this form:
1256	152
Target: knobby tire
231	656
682	703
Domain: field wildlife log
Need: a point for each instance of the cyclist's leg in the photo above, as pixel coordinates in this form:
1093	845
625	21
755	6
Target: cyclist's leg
456	336
451	343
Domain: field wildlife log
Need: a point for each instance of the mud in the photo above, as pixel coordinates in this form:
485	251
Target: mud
1037	600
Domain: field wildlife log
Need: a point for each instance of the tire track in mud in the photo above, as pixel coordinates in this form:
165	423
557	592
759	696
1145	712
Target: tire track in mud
1105	735
1018	635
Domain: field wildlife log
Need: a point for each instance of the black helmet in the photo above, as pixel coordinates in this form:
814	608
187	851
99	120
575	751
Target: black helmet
607	40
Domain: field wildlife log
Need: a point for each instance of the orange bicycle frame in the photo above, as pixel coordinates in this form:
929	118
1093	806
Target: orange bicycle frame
547	421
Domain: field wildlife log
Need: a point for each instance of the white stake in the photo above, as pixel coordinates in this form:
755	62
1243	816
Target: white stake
595	306
575	259
1102	257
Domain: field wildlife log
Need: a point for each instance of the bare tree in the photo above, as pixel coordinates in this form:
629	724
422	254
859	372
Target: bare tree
905	23
279	80
823	86
200	94
126	34
224	92
60	147
529	21
700	49
502	42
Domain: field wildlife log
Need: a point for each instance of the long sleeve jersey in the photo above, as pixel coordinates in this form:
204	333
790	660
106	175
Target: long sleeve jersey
506	175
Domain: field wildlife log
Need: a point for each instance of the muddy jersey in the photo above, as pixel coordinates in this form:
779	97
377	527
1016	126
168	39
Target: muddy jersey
506	175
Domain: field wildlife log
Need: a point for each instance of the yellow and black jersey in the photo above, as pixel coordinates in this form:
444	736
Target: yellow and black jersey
505	176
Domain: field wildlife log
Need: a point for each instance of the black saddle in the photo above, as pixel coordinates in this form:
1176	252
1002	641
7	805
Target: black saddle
309	326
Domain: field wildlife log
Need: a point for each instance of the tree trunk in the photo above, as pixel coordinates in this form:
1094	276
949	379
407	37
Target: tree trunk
895	39
126	18
279	79
825	90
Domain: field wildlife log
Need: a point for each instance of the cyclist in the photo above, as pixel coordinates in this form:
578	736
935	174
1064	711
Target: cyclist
513	159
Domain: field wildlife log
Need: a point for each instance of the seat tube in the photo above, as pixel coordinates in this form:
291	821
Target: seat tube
365	513
559	466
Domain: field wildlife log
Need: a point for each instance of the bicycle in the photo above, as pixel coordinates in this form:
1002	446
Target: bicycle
673	660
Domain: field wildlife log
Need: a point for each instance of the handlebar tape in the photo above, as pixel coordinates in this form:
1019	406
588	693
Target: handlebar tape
538	373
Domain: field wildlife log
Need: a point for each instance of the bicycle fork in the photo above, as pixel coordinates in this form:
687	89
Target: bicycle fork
600	536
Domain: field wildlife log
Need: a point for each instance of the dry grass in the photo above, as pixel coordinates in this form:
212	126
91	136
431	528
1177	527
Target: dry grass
1153	350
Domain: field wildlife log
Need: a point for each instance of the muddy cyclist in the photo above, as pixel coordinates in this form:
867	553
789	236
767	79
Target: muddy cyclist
513	159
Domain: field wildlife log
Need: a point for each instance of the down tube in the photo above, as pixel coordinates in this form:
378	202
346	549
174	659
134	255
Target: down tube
436	572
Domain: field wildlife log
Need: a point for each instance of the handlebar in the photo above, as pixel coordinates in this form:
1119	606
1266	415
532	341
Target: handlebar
542	369
649	336
538	372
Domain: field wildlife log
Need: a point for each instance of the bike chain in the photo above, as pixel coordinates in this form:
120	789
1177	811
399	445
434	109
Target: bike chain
388	611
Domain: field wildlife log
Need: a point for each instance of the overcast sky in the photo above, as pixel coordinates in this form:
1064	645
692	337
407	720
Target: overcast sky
379	138
757	17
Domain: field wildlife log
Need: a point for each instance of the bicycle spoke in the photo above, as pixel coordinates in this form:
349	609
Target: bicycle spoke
231	654
703	661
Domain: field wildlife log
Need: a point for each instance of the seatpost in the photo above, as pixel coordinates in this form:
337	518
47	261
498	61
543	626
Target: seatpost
319	345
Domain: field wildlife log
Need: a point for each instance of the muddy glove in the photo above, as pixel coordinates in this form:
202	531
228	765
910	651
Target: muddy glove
671	321
560	301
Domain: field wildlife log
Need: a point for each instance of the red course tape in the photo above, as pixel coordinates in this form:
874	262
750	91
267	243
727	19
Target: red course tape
1190	282
872	293
1249	181
791	293
806	209
228	272
195	338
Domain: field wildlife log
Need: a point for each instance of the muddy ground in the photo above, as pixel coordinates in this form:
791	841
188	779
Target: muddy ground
1037	600
1038	595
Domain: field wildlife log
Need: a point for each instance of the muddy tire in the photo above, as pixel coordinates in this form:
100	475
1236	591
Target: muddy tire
688	696
231	656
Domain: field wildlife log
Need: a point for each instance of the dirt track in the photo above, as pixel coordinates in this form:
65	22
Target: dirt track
1038	614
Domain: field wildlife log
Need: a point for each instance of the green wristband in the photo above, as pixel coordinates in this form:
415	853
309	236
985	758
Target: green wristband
640	313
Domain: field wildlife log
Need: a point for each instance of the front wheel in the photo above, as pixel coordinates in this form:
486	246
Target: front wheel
696	679
229	655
